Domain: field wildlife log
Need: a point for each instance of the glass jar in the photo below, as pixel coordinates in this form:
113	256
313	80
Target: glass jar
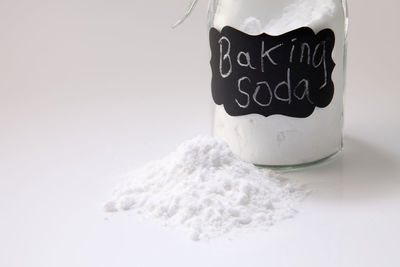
269	125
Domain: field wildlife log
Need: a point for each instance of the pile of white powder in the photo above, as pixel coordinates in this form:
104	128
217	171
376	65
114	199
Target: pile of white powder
205	190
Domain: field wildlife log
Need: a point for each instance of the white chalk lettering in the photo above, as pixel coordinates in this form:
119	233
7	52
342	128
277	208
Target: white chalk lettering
292	50
243	92
306	92
282	85
224	57
247	57
303	46
321	62
267	54
270	95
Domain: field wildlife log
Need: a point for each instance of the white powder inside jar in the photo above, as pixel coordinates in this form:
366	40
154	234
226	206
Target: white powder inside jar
205	190
281	140
301	13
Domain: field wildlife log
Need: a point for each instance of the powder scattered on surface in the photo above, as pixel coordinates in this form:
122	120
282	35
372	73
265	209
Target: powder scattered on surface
205	190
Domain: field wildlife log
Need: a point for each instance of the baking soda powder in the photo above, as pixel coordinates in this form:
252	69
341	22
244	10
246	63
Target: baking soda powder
203	189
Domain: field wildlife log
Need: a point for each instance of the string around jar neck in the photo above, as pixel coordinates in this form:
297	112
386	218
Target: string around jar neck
190	8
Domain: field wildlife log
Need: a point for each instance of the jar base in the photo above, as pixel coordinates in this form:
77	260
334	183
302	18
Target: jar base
289	168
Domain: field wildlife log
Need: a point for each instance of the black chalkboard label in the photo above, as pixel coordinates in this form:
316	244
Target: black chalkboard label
288	74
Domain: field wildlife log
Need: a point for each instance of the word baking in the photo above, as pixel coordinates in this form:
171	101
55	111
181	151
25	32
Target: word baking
288	74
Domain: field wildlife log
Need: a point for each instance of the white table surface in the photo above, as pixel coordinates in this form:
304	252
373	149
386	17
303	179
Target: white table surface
79	105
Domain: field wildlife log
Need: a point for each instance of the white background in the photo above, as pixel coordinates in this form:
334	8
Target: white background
91	88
